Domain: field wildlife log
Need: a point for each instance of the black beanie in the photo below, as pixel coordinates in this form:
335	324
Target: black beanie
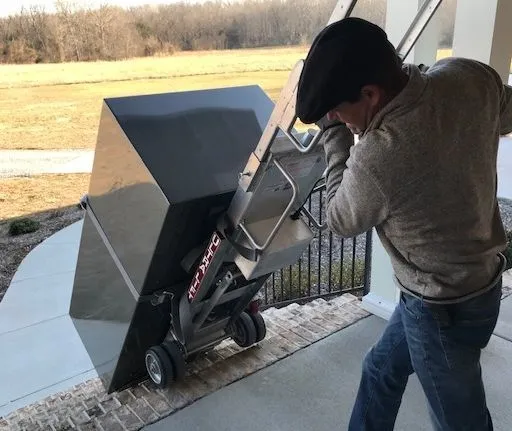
342	59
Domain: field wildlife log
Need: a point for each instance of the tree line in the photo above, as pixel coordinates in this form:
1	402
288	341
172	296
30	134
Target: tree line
81	33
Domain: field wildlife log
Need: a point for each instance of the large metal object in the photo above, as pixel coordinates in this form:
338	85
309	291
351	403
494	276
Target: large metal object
195	200
165	167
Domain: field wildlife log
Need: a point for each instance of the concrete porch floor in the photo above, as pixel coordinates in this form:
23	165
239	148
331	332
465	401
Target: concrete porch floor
314	389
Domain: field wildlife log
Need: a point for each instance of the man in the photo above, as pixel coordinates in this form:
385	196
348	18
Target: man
424	174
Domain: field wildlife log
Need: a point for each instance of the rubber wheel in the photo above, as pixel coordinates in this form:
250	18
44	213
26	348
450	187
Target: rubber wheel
159	366
261	328
177	358
244	330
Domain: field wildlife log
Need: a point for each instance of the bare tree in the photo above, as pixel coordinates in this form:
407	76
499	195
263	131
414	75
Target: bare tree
80	32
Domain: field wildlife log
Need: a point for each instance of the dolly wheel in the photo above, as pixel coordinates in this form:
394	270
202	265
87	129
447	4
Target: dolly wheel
259	323
174	351
159	366
244	330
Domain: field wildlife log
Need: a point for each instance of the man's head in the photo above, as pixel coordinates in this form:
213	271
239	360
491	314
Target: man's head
350	73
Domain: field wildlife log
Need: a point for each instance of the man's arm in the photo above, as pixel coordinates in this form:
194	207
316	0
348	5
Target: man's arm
355	203
506	111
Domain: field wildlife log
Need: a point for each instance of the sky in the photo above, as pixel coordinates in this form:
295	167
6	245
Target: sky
8	7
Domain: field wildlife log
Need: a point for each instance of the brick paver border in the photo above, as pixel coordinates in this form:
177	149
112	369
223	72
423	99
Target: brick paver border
87	407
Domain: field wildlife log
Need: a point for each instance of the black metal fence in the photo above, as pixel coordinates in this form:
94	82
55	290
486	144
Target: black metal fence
330	266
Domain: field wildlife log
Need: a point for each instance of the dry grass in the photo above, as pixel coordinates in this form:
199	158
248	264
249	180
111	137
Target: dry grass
52	117
55	117
53	106
21	196
180	64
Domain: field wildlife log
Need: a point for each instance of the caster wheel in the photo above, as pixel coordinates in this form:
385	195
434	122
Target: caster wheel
159	366
176	355
244	330
259	323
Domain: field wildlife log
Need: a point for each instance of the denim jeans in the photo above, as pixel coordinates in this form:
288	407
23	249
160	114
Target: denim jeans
442	345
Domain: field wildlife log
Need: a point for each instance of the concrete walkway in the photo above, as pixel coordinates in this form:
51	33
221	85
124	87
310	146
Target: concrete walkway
15	163
41	351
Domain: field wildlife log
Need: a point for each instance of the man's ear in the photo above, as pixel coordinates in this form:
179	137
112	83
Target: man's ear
373	94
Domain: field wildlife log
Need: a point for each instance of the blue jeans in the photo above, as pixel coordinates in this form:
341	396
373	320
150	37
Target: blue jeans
442	345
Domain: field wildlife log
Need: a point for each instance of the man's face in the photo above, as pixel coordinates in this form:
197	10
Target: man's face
358	115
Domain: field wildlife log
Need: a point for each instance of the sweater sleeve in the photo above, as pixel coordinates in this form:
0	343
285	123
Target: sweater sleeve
506	111
355	203
504	94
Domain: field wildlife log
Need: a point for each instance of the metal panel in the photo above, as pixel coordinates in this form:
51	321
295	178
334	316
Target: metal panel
115	327
194	143
101	305
99	292
126	200
166	166
291	240
177	147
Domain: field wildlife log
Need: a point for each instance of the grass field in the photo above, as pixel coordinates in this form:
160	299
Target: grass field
20	196
54	106
179	64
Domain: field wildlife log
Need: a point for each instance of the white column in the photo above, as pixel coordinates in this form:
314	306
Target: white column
383	295
483	32
399	16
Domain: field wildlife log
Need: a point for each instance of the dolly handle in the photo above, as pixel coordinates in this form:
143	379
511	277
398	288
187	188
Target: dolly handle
303	148
295	193
313	220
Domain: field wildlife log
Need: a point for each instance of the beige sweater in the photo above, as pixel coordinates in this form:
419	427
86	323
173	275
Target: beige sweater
424	174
